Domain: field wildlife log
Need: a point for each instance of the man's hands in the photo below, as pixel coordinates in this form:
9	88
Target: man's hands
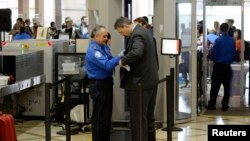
120	62
127	67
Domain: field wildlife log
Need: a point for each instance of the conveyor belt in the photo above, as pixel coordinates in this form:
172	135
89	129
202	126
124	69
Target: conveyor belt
21	85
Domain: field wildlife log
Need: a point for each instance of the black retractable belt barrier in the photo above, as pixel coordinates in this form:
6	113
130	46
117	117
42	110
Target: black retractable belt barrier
47	112
48	87
0	41
1	56
249	84
169	103
140	107
66	79
172	99
170	107
67	99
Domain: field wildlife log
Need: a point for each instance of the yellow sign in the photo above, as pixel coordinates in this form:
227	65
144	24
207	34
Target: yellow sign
41	44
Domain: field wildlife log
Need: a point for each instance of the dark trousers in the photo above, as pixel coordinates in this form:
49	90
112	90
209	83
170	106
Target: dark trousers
101	92
222	74
149	100
184	66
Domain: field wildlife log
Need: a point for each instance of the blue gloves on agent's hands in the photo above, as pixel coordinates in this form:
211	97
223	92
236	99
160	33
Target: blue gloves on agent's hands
121	53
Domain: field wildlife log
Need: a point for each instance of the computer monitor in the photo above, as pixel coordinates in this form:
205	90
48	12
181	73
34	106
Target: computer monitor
170	46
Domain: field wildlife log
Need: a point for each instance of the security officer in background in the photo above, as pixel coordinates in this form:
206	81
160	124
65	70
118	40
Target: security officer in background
100	65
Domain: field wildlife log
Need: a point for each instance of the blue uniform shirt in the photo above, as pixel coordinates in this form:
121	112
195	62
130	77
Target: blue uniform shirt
22	36
99	61
224	50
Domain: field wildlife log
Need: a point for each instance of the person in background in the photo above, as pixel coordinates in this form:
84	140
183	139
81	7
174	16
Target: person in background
148	26
53	31
35	26
141	58
231	28
22	34
16	28
216	29
237	38
109	39
141	21
100	65
84	27
64	24
28	28
199	35
222	54
185	55
73	32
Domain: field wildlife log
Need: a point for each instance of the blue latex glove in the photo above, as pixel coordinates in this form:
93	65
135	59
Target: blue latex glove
85	36
121	53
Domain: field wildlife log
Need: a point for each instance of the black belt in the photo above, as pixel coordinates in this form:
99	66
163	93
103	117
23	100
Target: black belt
222	64
104	79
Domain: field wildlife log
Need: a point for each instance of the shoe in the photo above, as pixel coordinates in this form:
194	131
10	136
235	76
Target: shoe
224	108
210	108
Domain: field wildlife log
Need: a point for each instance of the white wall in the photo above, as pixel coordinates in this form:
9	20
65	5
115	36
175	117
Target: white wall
164	26
142	8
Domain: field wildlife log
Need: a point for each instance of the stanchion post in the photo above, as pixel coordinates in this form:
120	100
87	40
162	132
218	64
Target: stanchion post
171	102
67	102
47	113
171	95
169	116
1	56
140	108
249	83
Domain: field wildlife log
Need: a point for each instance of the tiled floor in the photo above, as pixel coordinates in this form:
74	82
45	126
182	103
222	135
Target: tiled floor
195	130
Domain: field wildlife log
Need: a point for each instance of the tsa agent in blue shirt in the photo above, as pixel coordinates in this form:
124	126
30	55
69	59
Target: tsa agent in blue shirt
100	65
222	54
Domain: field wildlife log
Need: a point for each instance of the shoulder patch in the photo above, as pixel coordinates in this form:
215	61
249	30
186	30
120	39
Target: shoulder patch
98	54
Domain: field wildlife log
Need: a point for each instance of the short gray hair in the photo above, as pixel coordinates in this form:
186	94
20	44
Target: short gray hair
121	21
96	30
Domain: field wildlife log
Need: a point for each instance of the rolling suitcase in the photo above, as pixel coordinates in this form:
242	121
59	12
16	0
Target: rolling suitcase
7	128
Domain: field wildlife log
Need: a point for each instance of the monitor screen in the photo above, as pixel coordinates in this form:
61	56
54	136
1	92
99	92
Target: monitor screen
170	46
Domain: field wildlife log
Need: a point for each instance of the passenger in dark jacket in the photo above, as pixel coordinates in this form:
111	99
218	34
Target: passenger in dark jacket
139	66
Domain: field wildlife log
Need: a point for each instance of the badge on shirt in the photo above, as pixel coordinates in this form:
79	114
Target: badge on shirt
98	54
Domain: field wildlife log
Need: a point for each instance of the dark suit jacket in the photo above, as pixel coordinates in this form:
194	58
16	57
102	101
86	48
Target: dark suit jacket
141	56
